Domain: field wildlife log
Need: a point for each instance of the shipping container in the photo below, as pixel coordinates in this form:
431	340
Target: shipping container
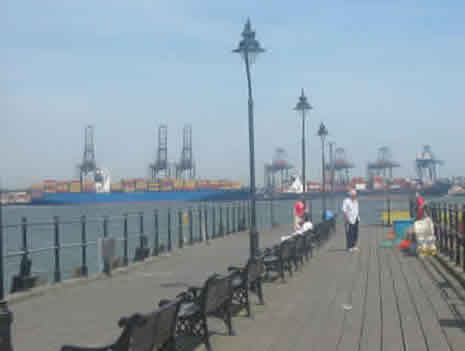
62	187
154	187
37	187
75	187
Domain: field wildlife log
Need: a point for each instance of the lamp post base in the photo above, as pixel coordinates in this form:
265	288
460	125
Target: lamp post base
6	319
253	234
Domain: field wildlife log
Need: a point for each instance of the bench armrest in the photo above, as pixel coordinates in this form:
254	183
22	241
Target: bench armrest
233	268
87	348
164	302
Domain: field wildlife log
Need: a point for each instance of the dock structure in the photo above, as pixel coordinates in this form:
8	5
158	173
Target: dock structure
375	299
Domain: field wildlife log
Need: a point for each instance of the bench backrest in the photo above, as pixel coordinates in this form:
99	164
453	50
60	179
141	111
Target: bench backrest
254	269
217	291
300	243
151	331
286	249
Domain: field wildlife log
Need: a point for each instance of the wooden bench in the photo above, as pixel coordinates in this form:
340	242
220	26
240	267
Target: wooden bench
245	279
212	300
143	332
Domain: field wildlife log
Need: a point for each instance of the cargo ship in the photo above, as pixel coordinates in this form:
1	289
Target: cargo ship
101	191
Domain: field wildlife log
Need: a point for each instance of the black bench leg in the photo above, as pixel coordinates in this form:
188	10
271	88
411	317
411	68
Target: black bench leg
206	335
229	320
170	345
247	304
281	270
259	288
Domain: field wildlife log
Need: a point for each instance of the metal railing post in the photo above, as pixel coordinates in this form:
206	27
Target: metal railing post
463	237
180	234
84	268
200	223
169	230
191	227
272	222
141	231
206	222
105	227
221	220
443	227
228	227
213	221
25	262
56	226
106	264
6	316
457	236
388	203
156	239
125	240
450	227
234	224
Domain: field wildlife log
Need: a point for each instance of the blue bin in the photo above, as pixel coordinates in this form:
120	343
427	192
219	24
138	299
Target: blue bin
329	215
400	228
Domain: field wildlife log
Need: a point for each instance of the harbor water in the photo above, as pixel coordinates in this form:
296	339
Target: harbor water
141	221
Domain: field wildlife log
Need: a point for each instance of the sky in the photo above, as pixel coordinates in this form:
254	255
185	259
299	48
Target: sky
378	73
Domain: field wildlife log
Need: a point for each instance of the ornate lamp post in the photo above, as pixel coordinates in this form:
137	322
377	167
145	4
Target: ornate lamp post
322	133
249	48
302	107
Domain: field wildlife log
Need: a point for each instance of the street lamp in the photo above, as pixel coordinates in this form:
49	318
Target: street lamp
302	107
249	48
322	133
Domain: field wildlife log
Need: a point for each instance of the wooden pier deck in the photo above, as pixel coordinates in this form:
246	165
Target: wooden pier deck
398	302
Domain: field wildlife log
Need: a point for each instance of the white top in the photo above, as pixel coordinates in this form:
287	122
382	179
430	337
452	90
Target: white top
305	227
350	209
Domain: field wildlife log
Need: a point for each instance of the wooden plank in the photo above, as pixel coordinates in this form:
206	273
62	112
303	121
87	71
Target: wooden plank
434	337
371	333
392	335
352	323
442	300
321	328
411	322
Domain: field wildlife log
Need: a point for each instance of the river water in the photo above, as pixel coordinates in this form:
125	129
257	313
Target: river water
41	229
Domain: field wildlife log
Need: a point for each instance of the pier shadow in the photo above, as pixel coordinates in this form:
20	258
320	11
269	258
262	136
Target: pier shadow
336	250
452	323
174	285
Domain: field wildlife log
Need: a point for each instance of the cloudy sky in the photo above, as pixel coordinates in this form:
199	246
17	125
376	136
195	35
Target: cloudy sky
377	72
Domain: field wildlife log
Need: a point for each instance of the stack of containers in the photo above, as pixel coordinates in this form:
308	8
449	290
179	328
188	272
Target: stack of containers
116	187
154	186
190	185
178	184
88	186
75	186
50	186
37	190
62	187
202	184
166	184
129	185
141	185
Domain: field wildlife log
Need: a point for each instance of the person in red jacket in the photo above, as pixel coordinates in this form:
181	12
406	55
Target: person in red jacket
420	202
299	211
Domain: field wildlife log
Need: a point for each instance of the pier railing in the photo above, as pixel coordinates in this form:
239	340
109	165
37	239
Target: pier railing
53	250
449	220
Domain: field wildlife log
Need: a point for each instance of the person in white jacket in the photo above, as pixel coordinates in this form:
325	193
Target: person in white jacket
352	219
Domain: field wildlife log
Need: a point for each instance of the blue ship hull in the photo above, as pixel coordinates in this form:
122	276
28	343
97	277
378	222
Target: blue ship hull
102	198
